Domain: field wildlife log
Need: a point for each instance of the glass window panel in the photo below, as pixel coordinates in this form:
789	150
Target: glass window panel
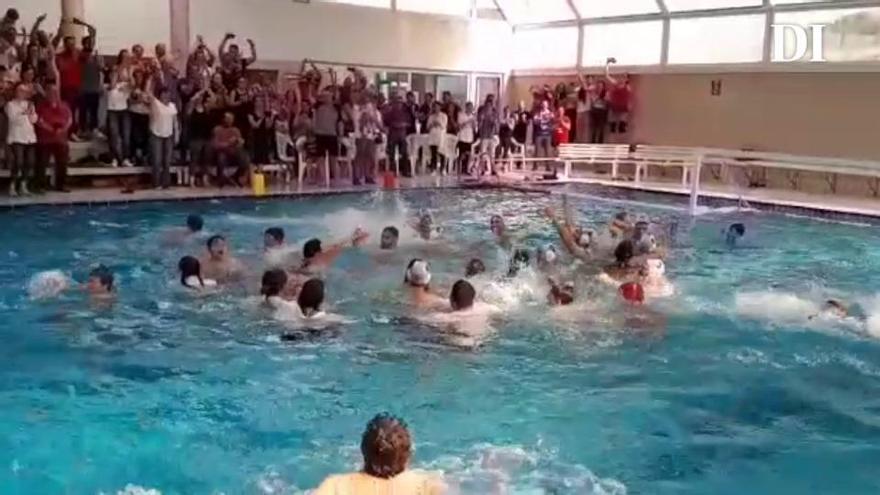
711	40
386	4
448	7
610	8
677	5
631	43
545	48
534	11
850	35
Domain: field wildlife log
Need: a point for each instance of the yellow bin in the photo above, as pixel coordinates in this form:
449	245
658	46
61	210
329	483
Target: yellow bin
258	184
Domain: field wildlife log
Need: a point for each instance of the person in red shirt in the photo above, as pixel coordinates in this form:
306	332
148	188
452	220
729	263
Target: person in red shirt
70	68
54	120
619	102
562	127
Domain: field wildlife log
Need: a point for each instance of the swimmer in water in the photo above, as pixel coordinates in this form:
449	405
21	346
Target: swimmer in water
620	226
424	226
311	299
474	267
273	238
179	235
547	258
653	278
191	275
100	283
277	283
390	239
499	230
462	296
622	269
519	262
733	234
576	240
417	280
218	264
316	258
560	294
833	308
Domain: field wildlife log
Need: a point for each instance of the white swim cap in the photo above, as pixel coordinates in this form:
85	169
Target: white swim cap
586	239
47	284
417	273
656	268
548	254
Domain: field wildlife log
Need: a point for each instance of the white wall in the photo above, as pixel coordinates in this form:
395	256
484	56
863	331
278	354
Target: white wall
123	23
288	31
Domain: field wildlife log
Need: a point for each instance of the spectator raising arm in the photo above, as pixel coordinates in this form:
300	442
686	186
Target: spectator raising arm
35	29
253	47
222	51
93	33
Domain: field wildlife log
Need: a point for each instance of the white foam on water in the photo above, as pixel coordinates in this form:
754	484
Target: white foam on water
775	307
136	490
95	223
872	313
512	470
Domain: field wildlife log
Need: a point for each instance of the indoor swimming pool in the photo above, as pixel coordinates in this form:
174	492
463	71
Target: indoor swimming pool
725	388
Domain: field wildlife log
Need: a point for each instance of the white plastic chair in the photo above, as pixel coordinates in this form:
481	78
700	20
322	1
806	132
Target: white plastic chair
283	145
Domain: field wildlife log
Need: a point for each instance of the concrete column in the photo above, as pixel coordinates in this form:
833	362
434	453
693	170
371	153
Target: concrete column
180	33
69	10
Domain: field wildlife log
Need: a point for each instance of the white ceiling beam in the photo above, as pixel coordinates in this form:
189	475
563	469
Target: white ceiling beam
690	14
574	9
661	5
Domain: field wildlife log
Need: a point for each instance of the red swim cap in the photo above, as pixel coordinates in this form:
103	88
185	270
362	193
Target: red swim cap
633	292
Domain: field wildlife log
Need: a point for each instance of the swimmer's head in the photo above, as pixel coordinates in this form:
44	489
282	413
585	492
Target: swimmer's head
390	237
583	237
194	223
273	282
273	237
653	269
217	247
496	224
462	296
624	253
836	308
311	297
548	255
734	233
189	266
100	280
425	225
640	229
311	248
474	268
632	293
418	273
519	261
645	244
620	224
561	295
386	446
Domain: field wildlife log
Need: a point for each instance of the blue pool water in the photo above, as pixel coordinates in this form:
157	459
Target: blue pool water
198	396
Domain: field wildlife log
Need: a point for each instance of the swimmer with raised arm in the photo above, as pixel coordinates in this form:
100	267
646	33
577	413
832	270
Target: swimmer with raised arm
417	281
576	240
316	258
179	235
560	294
218	264
191	275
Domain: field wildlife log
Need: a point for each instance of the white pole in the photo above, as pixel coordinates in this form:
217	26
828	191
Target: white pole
695	184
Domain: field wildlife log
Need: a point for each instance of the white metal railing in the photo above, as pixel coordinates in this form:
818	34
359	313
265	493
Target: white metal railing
692	162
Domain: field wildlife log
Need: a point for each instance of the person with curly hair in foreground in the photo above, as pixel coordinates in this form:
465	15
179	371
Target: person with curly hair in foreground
387	449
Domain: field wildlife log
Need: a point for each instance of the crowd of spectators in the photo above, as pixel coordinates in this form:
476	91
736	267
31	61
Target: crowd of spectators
208	111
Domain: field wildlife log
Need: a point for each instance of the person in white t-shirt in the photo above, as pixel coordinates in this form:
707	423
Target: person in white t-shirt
118	120
21	138
467	133
163	133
